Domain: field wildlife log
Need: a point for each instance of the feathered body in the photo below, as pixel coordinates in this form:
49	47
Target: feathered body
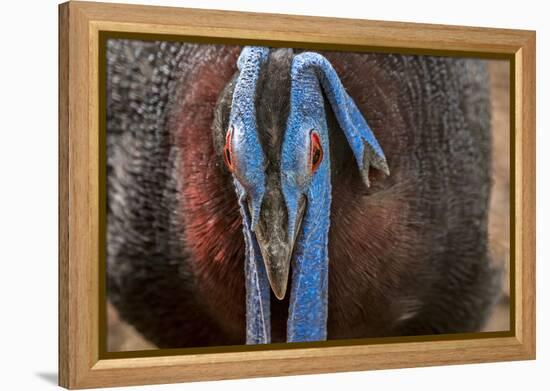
407	256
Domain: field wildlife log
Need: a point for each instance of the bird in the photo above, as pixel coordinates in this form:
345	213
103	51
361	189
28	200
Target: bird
261	195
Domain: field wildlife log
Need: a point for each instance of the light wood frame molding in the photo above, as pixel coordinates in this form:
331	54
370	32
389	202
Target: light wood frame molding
81	364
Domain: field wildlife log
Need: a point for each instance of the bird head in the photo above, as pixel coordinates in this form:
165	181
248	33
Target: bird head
273	135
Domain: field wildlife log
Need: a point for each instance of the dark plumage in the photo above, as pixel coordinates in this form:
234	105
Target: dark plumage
407	256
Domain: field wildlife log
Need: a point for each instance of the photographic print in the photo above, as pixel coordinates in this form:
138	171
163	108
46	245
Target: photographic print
247	195
261	195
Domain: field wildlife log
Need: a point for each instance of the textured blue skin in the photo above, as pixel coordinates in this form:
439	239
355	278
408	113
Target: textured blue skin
249	181
250	159
310	72
309	65
258	314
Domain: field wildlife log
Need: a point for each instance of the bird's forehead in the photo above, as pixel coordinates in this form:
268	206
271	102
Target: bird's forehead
272	103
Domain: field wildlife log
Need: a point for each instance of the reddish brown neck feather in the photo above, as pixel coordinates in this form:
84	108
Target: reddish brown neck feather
211	218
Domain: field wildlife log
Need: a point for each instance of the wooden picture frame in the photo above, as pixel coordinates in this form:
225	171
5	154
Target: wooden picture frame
83	363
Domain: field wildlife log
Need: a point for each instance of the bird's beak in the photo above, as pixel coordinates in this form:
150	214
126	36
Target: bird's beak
276	245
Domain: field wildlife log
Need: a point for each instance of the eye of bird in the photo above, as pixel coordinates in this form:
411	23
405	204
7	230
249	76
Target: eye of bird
315	151
228	150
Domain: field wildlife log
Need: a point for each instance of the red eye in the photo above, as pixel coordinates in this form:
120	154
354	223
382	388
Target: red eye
315	152
228	150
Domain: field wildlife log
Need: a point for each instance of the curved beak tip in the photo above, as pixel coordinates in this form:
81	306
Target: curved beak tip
279	291
278	280
276	258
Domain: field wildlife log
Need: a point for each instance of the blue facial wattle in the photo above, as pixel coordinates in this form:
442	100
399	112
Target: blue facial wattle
250	187
311	76
243	123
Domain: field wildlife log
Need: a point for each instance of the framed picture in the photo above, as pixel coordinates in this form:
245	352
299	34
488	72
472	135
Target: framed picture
247	195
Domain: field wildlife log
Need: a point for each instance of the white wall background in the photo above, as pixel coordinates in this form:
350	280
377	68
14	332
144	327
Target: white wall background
28	193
